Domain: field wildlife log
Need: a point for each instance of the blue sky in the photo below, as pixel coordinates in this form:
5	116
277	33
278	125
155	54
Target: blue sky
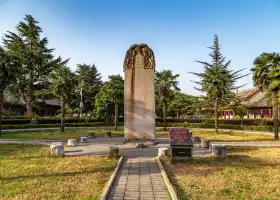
178	31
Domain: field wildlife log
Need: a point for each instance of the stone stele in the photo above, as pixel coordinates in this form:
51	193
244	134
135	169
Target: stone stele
139	93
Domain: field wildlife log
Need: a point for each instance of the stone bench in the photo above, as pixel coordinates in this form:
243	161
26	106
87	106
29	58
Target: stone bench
57	149
219	150
162	151
83	139
72	142
205	143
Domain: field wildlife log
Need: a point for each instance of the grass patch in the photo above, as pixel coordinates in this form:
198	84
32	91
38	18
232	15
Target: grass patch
248	173
28	172
57	135
77	133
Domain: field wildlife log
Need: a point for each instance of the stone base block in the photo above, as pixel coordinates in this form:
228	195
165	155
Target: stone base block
72	142
162	152
219	150
57	149
205	143
83	139
108	134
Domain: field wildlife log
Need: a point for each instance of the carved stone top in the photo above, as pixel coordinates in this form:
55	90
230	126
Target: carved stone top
145	51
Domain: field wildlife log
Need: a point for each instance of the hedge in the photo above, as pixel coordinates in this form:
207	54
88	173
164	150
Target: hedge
23	126
221	126
158	124
55	120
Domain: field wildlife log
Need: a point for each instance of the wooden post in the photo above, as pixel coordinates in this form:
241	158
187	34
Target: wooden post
269	113
247	114
233	114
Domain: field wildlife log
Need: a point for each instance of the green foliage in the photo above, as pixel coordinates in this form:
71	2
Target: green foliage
63	82
183	105
110	93
166	84
89	85
266	77
36	59
217	81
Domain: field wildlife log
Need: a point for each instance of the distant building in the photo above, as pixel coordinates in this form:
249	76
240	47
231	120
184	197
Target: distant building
44	107
256	103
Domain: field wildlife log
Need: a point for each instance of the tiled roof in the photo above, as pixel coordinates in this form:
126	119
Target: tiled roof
18	101
253	98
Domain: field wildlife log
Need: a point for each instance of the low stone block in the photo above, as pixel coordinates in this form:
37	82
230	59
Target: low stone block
140	145
91	135
108	134
205	143
196	139
162	151
83	139
219	150
72	142
57	149
114	152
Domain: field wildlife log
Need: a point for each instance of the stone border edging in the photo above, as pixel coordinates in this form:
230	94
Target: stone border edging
166	180
109	185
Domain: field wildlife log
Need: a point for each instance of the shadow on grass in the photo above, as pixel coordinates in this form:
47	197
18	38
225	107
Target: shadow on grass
59	174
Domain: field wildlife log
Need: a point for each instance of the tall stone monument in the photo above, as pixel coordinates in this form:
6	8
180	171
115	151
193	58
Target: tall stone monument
139	93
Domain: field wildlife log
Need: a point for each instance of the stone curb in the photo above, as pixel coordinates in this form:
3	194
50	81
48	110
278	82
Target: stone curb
166	180
110	184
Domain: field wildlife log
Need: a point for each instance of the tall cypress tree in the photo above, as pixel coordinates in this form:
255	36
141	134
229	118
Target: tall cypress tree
36	59
217	81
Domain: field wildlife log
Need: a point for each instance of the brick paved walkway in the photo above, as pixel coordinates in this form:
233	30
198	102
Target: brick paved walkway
139	178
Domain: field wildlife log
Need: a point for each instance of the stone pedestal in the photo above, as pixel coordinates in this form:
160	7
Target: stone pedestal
91	135
114	151
57	149
196	139
83	139
72	142
139	94
219	150
205	143
162	152
108	134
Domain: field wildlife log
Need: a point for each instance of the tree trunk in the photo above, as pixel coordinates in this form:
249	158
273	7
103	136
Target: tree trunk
116	115
164	115
62	114
275	113
216	115
1	110
29	108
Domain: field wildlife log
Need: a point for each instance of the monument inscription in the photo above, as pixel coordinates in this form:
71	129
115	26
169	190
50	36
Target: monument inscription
180	135
139	93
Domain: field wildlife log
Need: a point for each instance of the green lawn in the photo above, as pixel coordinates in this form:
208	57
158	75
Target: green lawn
77	133
248	173
57	135
28	172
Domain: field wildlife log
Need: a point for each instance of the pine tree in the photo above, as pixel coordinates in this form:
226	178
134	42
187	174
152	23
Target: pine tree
217	81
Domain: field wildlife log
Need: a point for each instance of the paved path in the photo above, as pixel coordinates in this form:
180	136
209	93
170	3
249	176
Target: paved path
139	178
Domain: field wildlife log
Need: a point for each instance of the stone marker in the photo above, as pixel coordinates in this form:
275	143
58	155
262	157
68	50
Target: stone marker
162	151
219	150
57	149
108	134
83	139
181	144
196	139
72	142
140	145
139	93
91	135
205	143
114	151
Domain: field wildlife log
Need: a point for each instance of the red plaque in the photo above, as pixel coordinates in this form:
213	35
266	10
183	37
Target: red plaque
180	135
